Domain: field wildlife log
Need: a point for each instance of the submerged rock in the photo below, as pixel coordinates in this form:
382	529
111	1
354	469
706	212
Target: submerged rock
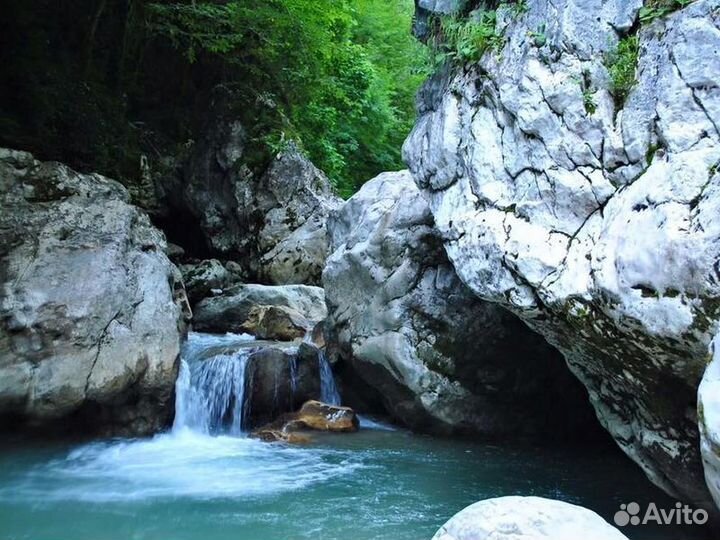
438	358
240	307
533	518
90	314
312	416
595	221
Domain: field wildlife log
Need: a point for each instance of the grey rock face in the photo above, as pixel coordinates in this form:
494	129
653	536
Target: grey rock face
207	278
294	197
90	327
273	223
599	229
425	9
235	308
441	359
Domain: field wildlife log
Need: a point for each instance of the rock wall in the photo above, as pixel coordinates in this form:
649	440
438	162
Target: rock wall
90	321
440	358
596	222
238	306
272	222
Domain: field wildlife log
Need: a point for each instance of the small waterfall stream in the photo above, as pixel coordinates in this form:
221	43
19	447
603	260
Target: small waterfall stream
203	481
328	389
213	390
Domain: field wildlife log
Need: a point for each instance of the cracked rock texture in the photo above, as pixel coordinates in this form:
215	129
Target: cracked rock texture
89	326
272	223
600	230
441	359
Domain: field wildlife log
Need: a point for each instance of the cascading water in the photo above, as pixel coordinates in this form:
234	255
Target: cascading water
199	481
328	389
211	392
212	386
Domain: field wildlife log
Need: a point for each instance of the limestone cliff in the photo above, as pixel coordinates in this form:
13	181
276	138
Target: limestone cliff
596	221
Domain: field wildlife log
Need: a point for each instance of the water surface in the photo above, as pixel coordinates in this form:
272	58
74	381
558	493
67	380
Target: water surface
373	485
205	480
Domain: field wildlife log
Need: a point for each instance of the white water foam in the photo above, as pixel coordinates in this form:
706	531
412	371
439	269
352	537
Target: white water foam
203	457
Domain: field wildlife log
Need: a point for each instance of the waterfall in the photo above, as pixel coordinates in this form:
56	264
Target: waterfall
328	389
211	391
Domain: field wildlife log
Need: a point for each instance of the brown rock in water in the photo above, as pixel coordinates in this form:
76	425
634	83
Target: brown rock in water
312	416
274	435
323	417
282	379
276	322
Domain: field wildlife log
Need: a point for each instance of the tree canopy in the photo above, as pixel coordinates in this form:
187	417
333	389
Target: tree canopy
336	76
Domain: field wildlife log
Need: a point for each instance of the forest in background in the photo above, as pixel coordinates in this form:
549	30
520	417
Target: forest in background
97	83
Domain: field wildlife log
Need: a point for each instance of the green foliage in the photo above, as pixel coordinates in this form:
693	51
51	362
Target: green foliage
54	100
341	75
589	101
622	64
465	39
518	7
650	153
660	8
95	83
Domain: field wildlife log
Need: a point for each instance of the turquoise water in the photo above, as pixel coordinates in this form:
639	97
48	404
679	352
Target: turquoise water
377	484
373	485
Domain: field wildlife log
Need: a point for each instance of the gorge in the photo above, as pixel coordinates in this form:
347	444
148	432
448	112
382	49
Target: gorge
268	327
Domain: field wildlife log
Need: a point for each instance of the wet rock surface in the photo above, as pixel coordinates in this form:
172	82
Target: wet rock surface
313	416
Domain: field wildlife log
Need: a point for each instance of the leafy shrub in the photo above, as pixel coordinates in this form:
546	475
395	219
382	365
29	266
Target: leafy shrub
465	40
622	64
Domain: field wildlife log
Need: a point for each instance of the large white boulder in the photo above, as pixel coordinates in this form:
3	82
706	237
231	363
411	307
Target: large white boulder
526	518
90	321
597	222
440	358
